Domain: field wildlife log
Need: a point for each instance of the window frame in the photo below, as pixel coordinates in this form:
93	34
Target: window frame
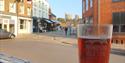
117	16
22	25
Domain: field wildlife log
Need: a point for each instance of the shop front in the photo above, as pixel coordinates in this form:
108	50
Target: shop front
8	23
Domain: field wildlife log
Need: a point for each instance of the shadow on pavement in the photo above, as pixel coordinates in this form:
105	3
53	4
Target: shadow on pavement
118	52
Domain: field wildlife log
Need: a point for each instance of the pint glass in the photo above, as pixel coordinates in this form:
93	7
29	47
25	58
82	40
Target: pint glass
94	43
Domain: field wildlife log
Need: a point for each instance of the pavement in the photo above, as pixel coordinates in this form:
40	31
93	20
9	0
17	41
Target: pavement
56	36
59	37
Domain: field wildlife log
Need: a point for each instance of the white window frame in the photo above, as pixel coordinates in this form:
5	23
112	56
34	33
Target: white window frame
2	5
12	7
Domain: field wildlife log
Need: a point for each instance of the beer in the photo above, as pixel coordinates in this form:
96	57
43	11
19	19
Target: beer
94	42
94	50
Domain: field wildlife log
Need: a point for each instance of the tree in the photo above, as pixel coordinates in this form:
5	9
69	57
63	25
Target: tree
61	19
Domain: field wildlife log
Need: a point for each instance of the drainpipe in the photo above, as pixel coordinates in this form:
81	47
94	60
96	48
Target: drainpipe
98	22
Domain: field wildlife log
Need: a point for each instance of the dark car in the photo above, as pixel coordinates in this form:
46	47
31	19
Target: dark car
6	34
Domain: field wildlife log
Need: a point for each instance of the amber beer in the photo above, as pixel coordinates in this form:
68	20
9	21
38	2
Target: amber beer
93	46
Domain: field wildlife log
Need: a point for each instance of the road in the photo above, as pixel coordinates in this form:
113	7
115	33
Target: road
44	51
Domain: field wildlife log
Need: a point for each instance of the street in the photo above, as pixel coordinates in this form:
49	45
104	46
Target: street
39	51
45	51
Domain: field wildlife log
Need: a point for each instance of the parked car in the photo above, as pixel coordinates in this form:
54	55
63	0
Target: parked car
6	34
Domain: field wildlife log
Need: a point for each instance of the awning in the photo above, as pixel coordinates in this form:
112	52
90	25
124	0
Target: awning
48	21
55	21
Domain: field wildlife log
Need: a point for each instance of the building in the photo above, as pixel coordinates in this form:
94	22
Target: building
40	9
16	16
51	15
106	12
68	17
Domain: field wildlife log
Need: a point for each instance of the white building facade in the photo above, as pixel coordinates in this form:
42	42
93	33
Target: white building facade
40	8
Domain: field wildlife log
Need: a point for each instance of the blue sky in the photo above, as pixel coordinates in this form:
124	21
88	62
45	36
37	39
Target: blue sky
60	7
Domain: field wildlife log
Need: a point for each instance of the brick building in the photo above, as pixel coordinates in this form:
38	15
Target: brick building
106	12
16	16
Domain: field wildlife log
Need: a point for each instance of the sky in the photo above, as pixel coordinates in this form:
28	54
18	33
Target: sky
60	7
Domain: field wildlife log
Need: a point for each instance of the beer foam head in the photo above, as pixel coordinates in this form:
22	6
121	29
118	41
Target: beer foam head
94	31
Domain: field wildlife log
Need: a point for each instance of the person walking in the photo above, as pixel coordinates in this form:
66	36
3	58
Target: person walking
66	29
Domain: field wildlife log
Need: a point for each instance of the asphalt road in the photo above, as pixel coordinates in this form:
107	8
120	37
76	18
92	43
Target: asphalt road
44	51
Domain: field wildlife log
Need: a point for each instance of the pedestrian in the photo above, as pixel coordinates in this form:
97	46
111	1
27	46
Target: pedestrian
66	29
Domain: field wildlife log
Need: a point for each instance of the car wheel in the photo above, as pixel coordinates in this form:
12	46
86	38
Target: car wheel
12	36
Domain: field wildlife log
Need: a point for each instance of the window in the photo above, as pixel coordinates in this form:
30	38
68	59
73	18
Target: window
119	22
12	7
29	11
87	3
22	1
22	9
1	5
117	0
22	24
91	3
83	6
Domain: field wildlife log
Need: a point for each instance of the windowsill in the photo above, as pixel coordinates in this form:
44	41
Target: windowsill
118	1
118	33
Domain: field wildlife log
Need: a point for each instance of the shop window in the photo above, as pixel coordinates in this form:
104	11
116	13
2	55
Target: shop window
0	26
22	24
5	27
11	26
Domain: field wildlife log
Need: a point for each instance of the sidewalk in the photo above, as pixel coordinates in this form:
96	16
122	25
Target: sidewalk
59	37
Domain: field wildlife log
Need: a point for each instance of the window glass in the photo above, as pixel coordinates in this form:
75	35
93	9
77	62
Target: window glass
83	5
119	22
1	5
115	28
0	26
87	4
122	18
91	3
12	7
29	11
22	24
22	9
122	28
